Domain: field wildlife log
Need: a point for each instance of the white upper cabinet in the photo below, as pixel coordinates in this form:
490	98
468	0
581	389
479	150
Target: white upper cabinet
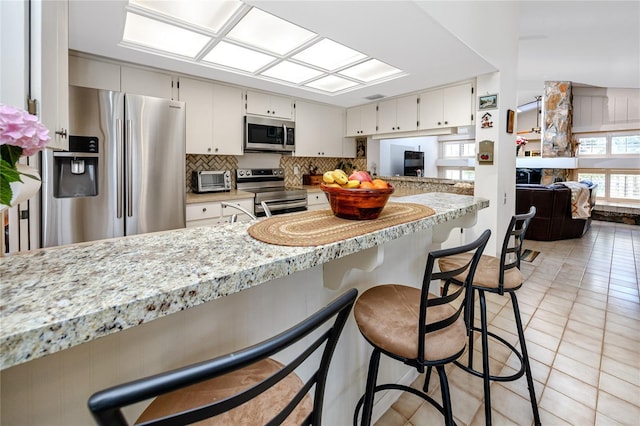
319	130
145	82
227	120
214	117
361	120
51	67
398	115
259	103
447	107
85	72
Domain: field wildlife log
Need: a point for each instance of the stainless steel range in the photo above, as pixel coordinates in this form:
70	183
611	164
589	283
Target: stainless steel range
268	186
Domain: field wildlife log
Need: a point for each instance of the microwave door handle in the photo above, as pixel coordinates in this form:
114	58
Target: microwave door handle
284	127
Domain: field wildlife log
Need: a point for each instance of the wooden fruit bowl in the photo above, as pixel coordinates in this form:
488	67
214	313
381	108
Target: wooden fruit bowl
357	204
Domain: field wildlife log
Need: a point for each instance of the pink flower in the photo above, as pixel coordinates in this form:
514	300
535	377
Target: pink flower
21	129
521	141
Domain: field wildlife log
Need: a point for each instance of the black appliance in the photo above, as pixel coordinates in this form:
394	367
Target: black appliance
524	175
414	163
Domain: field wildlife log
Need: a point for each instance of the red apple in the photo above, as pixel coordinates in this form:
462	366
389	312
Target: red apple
360	175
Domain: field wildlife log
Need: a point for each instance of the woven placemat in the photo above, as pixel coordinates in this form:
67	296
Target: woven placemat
322	227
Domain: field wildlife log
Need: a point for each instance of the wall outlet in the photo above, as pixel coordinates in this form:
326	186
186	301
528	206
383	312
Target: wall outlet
296	170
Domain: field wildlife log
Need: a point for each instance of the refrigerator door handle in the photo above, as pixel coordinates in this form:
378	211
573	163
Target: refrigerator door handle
129	170
119	156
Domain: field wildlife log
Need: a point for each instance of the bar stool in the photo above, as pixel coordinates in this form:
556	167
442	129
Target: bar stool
415	327
496	275
243	387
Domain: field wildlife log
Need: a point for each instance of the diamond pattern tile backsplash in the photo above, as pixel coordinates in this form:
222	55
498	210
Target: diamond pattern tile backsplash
288	163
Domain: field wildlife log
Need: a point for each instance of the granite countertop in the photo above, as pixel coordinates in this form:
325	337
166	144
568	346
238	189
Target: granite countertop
56	298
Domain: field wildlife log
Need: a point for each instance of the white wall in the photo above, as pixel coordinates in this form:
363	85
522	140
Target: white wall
498	45
391	156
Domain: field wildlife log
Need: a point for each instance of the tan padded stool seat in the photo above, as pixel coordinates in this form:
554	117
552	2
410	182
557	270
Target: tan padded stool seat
487	274
388	315
258	411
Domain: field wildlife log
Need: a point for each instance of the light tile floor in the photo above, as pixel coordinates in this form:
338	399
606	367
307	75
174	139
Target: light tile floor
581	309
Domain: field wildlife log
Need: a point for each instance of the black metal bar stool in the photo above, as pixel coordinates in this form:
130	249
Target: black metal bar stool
496	275
243	387
417	328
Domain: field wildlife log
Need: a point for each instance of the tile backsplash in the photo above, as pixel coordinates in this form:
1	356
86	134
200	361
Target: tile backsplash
322	163
288	163
210	162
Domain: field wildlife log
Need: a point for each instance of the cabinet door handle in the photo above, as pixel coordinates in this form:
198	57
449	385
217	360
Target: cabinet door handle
62	133
204	209
446	122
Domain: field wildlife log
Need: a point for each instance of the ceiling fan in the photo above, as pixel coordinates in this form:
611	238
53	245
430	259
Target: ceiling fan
538	112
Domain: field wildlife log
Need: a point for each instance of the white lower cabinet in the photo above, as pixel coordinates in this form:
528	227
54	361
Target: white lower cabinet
317	201
214	213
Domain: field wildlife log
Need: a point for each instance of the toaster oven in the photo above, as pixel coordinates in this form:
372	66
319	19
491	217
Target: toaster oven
211	181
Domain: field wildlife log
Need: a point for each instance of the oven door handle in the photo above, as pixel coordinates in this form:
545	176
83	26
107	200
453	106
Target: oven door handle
286	204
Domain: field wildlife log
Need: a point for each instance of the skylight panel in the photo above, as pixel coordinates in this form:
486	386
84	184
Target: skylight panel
329	55
237	57
158	35
270	33
205	13
370	70
293	73
331	83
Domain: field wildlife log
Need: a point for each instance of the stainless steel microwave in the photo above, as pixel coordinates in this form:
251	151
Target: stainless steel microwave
211	181
264	134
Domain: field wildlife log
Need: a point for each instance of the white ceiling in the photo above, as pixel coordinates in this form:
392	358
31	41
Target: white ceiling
594	43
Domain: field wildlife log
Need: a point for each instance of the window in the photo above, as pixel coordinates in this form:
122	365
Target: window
593	146
625	186
625	144
607	145
459	173
614	185
458	150
598	178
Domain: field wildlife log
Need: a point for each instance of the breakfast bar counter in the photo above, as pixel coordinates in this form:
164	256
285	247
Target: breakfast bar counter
162	299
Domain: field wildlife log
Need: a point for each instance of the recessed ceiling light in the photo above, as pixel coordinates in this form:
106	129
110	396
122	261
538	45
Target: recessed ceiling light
370	70
329	55
238	57
265	31
331	83
158	35
293	73
208	14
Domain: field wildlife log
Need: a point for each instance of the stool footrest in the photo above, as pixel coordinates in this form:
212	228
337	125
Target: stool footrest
469	368
393	386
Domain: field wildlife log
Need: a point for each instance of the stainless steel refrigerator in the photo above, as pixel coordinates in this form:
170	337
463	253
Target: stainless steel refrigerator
124	173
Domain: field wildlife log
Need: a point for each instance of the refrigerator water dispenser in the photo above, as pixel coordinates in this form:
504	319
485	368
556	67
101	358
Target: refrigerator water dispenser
76	172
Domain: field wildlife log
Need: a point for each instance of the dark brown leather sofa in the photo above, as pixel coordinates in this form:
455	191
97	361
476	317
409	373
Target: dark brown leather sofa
553	219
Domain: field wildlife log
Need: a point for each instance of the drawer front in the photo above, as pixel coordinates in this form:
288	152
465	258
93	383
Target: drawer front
203	211
245	204
317	198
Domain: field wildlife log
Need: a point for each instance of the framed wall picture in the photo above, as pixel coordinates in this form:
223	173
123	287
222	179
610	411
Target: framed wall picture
487	102
361	147
511	116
